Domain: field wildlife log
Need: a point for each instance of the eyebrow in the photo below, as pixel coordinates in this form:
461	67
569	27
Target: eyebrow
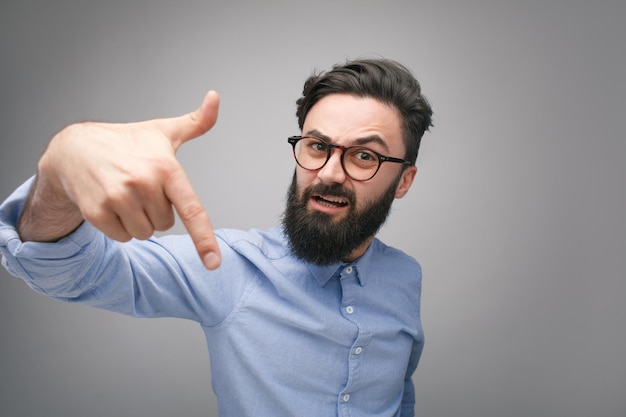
359	142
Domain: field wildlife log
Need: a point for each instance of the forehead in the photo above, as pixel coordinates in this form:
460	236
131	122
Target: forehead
344	118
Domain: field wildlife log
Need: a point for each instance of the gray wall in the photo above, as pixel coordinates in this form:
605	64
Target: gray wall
517	215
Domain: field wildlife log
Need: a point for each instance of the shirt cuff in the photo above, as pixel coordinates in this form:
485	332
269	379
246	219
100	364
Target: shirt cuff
16	254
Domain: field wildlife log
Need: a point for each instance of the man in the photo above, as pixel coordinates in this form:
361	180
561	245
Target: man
313	318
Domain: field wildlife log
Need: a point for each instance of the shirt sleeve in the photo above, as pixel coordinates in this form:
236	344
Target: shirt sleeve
158	277
408	398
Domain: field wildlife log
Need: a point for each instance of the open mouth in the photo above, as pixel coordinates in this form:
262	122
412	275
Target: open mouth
331	201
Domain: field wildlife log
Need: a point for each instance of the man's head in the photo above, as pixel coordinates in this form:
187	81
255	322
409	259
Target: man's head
384	80
352	119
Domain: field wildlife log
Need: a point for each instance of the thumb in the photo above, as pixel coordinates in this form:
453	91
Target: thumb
191	125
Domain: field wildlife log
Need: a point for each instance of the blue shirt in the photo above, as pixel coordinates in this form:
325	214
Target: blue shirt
286	338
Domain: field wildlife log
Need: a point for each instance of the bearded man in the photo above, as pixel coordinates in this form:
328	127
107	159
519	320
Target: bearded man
315	317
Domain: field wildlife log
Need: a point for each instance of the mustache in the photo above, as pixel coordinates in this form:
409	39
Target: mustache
329	189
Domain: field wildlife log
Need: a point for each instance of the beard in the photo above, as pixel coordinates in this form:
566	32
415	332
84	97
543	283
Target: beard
316	238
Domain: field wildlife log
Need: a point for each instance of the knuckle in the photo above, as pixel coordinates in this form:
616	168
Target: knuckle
149	174
108	224
191	211
164	165
164	223
204	244
96	215
116	197
143	234
120	236
137	182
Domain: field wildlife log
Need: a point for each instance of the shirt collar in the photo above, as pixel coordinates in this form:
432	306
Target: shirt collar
360	267
324	273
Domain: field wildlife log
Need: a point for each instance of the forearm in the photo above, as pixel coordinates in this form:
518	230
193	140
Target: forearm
48	214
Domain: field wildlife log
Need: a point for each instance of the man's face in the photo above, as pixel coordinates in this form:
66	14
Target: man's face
331	217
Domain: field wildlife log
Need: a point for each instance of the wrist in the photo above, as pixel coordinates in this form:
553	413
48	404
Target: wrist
48	214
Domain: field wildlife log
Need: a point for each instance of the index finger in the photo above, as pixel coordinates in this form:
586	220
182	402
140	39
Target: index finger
196	220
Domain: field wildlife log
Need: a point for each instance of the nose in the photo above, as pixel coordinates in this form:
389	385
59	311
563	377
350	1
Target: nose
332	172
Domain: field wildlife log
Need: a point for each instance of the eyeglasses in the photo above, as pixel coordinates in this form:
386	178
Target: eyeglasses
359	162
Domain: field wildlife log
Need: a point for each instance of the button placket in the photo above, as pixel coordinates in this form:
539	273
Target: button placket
351	288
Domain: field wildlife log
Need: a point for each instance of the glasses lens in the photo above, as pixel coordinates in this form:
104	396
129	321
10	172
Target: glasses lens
360	163
311	153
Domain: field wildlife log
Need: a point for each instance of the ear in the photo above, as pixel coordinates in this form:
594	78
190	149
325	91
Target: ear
408	175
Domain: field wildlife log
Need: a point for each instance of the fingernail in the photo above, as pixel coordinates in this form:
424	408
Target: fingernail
211	260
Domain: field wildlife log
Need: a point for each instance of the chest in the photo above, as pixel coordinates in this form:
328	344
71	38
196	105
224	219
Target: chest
336	337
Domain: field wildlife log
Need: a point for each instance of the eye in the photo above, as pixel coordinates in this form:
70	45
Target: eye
363	157
311	148
318	146
314	145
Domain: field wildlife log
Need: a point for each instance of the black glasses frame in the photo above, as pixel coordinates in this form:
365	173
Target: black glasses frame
293	140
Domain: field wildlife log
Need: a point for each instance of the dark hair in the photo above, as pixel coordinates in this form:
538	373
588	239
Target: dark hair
385	80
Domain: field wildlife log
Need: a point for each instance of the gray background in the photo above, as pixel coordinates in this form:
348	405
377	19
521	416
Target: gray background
517	214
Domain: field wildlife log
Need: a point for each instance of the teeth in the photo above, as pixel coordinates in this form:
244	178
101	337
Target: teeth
332	199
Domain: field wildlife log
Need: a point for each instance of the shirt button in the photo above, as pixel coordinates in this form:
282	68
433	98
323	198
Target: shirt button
345	398
349	309
358	350
349	270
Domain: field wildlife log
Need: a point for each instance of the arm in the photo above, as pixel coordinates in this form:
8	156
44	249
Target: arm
157	277
408	398
122	178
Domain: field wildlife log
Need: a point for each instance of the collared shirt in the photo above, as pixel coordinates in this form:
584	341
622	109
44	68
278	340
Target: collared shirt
286	338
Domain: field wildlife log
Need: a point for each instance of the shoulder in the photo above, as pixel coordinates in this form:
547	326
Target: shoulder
382	263
388	255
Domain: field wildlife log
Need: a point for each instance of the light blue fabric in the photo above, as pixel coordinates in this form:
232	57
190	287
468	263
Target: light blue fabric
286	338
